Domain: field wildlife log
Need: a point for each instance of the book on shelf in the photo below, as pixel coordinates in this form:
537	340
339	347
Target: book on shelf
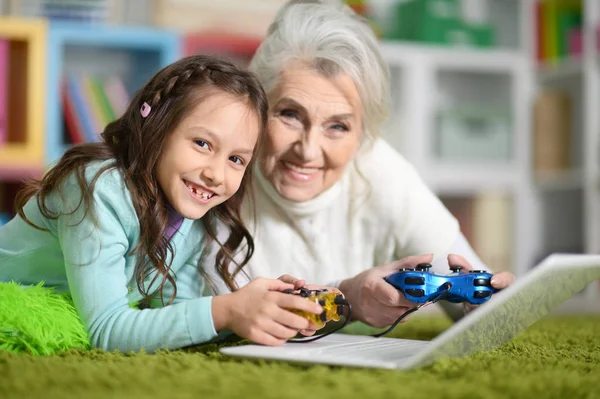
4	54
250	17
64	10
552	135
558	30
90	103
486	222
236	48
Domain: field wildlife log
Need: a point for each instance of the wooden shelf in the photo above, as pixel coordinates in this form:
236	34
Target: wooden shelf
465	179
559	180
26	113
220	41
568	68
487	60
18	173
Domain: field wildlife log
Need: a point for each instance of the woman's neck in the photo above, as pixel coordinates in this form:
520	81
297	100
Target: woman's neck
303	208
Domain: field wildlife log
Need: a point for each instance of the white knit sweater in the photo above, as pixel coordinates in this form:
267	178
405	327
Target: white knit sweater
379	211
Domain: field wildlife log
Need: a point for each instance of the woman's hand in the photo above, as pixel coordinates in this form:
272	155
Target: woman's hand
499	280
379	304
375	301
259	312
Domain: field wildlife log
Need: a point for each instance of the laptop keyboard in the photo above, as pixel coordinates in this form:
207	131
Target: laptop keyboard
378	349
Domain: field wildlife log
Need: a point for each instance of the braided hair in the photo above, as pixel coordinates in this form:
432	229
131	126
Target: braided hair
134	144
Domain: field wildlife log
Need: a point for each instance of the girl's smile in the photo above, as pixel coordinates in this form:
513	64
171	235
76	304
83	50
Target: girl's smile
198	192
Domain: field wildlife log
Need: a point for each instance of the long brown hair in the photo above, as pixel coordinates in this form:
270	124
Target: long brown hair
135	144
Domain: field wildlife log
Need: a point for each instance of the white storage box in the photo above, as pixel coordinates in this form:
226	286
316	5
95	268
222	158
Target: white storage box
473	134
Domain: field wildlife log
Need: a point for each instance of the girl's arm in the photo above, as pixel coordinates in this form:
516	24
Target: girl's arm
94	258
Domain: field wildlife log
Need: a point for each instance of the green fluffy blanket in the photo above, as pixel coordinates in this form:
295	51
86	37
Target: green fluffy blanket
36	320
557	357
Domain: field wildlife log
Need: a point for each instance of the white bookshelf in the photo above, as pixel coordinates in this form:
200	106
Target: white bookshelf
427	78
591	142
568	202
551	212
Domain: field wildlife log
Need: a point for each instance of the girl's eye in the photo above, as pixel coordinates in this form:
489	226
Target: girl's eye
236	160
202	144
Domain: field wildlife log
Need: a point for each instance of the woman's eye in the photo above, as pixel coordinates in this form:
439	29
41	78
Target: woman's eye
340	127
236	160
288	113
202	144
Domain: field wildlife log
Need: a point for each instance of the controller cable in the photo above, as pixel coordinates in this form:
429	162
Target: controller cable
340	301
439	296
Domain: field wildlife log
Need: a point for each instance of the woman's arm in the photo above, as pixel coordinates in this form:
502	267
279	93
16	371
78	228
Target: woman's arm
418	223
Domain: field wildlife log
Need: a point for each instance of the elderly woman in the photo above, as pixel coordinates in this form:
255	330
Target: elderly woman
334	204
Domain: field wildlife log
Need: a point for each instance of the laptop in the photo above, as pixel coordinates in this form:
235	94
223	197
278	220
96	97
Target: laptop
492	324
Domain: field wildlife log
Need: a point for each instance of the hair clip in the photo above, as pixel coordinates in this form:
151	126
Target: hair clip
145	110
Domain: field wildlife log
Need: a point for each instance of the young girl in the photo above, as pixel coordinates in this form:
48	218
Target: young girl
120	224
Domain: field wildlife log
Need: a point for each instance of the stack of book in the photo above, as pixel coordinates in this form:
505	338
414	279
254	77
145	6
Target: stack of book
552	131
439	22
559	30
89	104
486	222
64	10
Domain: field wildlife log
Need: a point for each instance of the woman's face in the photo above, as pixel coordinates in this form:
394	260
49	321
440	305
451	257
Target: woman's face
314	130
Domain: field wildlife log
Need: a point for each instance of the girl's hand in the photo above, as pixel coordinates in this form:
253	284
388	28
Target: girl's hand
298	283
258	312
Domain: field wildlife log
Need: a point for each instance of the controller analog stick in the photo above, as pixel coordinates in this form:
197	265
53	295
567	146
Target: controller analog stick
423	267
456	269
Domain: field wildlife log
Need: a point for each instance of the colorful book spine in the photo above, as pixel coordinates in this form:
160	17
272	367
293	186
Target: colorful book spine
108	114
89	104
557	25
81	108
117	94
92	104
539	39
75	130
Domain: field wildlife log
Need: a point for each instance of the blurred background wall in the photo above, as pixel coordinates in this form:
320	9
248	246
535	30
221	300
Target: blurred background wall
496	102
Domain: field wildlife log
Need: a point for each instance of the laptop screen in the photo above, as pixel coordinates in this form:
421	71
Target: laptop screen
515	308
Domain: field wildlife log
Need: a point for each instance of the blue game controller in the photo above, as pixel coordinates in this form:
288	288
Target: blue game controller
419	285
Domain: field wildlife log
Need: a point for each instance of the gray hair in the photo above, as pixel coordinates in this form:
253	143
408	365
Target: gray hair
332	38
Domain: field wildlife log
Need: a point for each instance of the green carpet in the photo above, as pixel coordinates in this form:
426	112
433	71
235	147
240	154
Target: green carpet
555	358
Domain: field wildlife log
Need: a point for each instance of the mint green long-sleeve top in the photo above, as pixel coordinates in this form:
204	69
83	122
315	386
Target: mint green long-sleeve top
92	261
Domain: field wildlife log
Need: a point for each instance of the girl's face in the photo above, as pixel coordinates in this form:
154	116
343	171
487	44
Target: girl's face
315	125
205	157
